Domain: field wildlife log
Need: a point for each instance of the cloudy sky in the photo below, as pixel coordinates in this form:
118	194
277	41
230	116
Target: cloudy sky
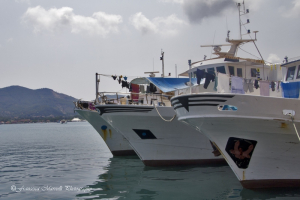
62	44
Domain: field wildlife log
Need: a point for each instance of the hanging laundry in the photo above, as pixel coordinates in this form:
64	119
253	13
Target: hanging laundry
142	88
237	85
199	74
264	88
216	84
256	84
148	89
120	79
272	75
248	85
124	84
128	85
135	92
290	89
125	78
152	87
273	86
278	86
223	83
114	77
208	78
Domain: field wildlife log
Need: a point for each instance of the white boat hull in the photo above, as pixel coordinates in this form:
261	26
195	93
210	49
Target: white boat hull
164	143
117	144
258	121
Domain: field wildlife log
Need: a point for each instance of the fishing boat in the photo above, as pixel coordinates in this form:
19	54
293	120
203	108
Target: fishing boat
251	119
117	143
146	120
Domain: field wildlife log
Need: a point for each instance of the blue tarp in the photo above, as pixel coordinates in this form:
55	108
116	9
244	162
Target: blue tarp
171	84
290	89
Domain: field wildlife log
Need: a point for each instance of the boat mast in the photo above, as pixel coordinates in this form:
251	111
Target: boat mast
97	87
163	67
240	23
190	75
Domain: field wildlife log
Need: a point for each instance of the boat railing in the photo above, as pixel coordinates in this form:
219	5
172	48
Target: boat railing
159	99
85	105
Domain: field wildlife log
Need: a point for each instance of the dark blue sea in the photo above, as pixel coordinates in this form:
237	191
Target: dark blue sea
71	161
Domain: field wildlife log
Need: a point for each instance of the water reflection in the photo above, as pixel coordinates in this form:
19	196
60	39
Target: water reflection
273	193
129	178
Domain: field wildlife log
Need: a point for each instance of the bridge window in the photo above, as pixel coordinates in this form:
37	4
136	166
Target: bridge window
231	70
290	73
211	71
298	73
239	72
221	69
253	72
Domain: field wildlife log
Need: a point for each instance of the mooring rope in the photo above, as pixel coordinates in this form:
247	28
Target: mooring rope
295	127
164	118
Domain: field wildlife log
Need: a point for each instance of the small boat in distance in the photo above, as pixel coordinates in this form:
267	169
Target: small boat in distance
63	121
76	120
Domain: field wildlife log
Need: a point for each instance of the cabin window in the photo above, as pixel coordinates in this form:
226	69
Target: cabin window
239	72
211	71
221	69
231	70
298	73
290	73
253	72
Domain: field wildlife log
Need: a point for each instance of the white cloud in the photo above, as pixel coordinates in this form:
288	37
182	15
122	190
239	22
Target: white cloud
273	58
294	12
142	23
167	26
54	20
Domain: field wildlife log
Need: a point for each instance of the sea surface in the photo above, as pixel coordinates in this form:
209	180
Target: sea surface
71	161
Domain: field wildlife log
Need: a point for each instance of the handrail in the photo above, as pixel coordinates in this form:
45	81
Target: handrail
162	94
145	96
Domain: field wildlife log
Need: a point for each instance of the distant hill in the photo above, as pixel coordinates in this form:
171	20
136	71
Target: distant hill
21	102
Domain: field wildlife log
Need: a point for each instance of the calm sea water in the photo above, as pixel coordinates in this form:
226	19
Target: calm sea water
71	161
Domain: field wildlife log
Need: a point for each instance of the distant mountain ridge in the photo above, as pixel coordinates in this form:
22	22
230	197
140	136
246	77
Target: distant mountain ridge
17	101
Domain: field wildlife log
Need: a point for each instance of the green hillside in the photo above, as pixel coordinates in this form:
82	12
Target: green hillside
21	102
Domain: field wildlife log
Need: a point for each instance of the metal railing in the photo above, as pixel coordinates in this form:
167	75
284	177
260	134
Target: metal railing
131	99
